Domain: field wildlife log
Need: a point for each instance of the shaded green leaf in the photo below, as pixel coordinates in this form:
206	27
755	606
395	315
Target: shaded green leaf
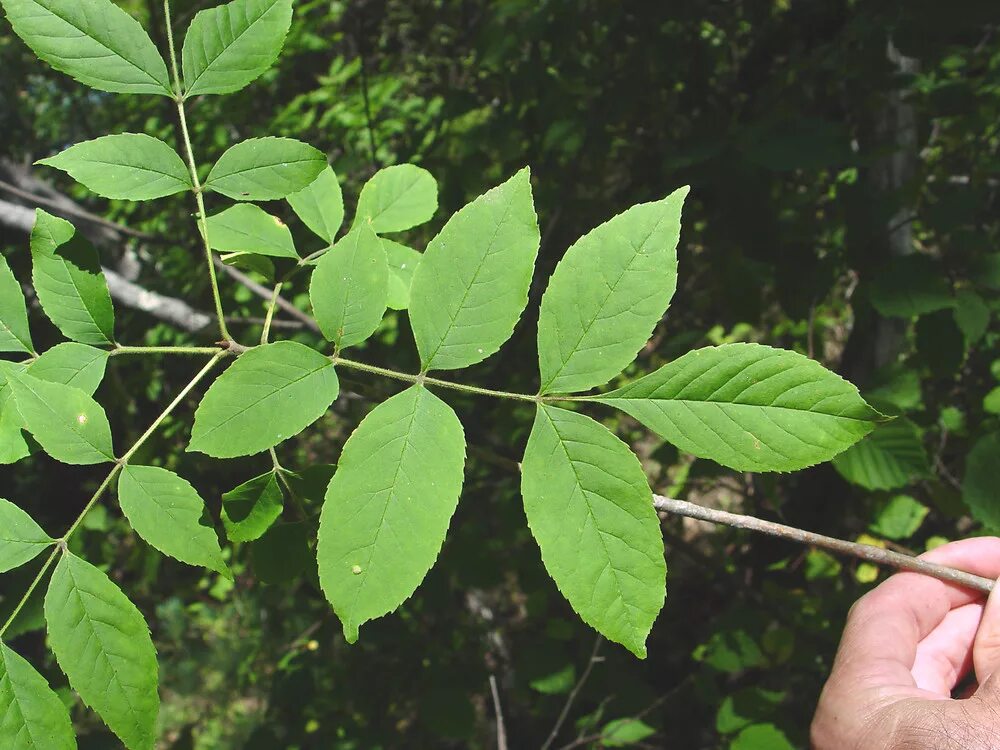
68	424
249	510
972	315
472	281
94	41
271	393
102	644
258	264
69	282
14	333
761	737
909	286
69	363
320	205
991	401
31	715
349	288
749	407
403	262
265	169
591	511
606	295
892	456
231	45
21	539
246	228
625	732
979	486
397	198
899	517
166	511
130	166
283	553
749	705
389	505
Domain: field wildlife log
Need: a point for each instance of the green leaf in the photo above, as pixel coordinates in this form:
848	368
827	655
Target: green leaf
250	509
910	286
972	315
13	446
246	228
607	294
265	169
94	41
349	288
102	644
403	262
70	426
991	401
257	264
472	282
69	363
625	732
270	394
591	511
320	205
389	505
31	715
899	517
69	282
14	333
166	511
397	198
283	553
892	456
130	166
231	45
21	539
761	737
979	489
749	407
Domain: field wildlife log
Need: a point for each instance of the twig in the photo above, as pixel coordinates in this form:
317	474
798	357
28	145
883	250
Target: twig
501	729
868	552
571	699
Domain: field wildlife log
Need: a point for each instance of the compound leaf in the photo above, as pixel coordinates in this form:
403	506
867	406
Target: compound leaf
320	205
130	166
68	424
403	262
102	644
31	715
231	45
979	483
265	169
397	198
349	288
472	281
388	506
892	456
69	363
166	511
14	333
249	510
246	228
21	539
68	280
607	294
749	407
271	393
94	41
591	511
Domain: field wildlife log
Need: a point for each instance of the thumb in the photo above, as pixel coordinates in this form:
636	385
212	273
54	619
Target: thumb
986	649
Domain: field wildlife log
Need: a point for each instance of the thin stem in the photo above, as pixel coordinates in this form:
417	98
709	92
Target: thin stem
571	699
270	312
193	169
61	543
30	591
427	380
192	350
498	709
867	552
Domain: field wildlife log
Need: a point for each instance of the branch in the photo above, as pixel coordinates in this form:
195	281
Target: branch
594	658
501	729
868	552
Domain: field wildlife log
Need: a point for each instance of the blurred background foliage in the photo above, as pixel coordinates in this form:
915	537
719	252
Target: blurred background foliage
843	158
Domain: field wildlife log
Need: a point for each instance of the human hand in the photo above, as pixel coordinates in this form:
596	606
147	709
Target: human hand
907	645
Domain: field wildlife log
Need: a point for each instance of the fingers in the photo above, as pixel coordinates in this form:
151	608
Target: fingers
944	657
986	651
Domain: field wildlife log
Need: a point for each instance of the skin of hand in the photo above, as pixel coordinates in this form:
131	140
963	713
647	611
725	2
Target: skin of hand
907	645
